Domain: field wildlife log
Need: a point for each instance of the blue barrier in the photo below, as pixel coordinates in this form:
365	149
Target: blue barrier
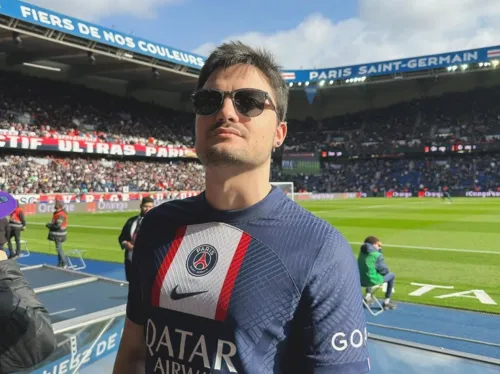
392	356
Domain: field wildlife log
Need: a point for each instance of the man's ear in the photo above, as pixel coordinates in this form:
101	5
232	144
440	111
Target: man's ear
281	132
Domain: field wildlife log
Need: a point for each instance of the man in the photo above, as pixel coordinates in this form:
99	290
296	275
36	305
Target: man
446	194
17	224
374	271
4	232
26	335
58	232
241	279
129	233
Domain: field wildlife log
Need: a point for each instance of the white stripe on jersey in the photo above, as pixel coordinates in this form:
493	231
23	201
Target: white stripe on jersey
225	239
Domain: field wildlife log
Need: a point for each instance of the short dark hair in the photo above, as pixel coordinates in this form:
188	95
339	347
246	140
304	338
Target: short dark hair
146	200
234	53
372	240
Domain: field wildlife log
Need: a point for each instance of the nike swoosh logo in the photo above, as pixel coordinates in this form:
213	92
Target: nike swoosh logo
179	296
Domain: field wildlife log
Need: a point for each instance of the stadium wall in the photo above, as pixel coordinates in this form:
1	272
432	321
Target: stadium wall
96	202
310	196
120	202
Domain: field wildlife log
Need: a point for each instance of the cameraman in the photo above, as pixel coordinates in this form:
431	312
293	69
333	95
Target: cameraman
26	335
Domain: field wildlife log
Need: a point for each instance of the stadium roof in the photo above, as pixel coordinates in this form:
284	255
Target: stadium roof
35	38
75	63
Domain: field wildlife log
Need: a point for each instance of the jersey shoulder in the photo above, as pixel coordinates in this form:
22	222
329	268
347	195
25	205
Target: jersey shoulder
183	210
163	220
303	227
301	239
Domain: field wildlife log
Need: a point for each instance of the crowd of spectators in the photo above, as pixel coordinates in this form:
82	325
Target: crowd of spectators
463	172
453	118
36	107
34	175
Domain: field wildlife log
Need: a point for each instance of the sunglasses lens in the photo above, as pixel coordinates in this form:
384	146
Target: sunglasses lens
247	102
207	102
250	103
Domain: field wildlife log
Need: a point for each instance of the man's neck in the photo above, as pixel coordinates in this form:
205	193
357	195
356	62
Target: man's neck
225	192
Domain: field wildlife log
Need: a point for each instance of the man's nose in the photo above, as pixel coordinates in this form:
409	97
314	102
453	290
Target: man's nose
227	112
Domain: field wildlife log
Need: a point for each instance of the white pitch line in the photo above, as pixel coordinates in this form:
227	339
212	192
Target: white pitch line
385	245
435	248
62	311
361	207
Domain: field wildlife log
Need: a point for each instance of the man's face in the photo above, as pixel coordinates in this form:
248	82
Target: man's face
228	137
378	245
146	207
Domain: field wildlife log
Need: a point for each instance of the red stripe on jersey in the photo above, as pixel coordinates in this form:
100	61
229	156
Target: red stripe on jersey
232	274
169	258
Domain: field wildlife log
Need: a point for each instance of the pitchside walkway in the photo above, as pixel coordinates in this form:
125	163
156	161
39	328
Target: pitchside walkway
88	312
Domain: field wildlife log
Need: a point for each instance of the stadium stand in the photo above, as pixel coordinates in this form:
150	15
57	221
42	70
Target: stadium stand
42	108
22	174
34	106
453	118
458	173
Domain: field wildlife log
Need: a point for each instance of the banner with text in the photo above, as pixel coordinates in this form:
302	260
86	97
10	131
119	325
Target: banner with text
91	147
329	196
405	65
83	348
95	202
60	22
103	197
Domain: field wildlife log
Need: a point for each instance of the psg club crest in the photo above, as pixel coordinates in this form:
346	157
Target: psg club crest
202	260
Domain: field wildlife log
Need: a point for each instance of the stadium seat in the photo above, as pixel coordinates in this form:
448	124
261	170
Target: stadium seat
76	254
373	290
25	252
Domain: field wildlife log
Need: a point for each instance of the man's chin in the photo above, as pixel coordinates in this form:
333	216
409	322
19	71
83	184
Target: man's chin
221	155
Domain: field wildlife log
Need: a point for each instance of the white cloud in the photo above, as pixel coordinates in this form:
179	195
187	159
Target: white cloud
93	10
383	30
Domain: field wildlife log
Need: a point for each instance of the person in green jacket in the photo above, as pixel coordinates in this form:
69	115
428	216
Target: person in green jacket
373	270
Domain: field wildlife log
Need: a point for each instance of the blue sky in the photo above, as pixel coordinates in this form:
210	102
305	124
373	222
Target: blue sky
315	34
193	23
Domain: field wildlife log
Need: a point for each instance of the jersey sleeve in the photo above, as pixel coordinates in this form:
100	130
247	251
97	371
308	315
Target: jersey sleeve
335	334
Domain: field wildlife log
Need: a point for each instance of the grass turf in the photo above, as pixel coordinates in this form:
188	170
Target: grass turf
425	241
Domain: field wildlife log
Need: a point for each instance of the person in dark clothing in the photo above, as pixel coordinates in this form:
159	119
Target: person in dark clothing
26	334
373	270
446	194
129	233
4	232
17	224
58	232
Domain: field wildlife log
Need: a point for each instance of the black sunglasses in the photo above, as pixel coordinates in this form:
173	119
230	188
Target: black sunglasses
248	101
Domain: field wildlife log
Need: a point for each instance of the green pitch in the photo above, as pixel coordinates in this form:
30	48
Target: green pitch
454	247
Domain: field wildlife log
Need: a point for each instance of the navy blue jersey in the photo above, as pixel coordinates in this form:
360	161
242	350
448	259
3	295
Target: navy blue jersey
267	289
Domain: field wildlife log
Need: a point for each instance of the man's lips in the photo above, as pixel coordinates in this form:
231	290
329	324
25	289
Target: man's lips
226	131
